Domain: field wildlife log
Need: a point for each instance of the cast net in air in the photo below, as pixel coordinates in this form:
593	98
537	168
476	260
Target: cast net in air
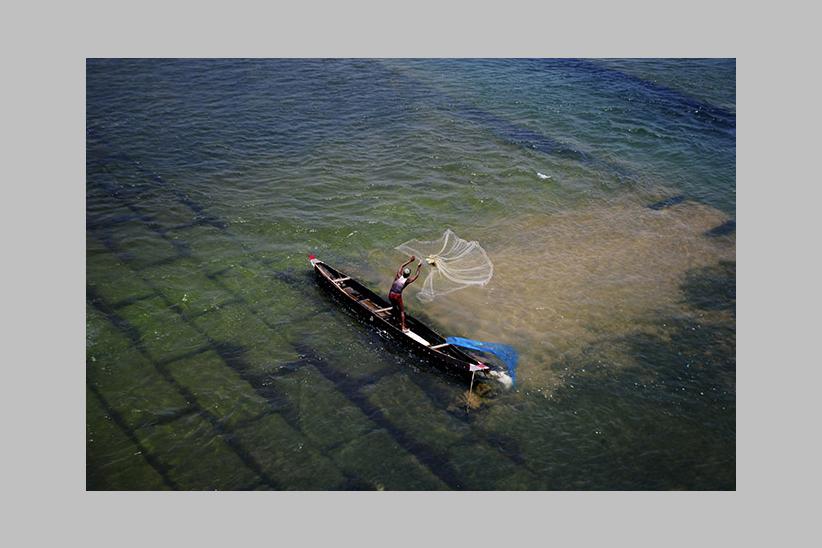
453	263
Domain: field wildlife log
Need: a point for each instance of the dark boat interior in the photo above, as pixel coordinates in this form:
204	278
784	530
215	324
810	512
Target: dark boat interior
381	308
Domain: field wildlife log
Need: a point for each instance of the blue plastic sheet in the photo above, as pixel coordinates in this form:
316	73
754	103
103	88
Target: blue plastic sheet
504	352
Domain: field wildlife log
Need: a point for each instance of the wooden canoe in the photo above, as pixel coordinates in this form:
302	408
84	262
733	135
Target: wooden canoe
420	338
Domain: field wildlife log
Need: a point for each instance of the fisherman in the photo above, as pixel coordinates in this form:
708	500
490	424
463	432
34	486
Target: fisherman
401	281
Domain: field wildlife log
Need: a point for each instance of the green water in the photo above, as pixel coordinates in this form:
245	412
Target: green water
215	362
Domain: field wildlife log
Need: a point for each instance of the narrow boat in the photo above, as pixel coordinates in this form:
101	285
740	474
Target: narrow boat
420	338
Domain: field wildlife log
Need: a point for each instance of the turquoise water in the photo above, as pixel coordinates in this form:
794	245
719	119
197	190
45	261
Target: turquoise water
215	362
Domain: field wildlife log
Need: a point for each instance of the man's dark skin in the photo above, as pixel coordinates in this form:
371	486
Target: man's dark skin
402	280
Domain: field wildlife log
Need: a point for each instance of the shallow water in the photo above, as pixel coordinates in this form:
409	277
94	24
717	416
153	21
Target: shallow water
214	362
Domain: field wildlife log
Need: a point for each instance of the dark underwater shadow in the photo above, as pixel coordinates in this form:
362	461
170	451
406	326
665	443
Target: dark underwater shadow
712	288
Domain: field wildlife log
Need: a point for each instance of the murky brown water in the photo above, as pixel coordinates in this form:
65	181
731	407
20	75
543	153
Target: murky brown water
564	280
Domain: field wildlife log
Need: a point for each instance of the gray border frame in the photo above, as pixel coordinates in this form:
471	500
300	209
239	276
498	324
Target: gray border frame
45	462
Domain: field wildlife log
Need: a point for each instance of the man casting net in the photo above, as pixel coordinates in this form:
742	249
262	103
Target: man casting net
454	264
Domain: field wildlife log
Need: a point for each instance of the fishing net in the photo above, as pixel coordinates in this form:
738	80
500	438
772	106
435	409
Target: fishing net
454	264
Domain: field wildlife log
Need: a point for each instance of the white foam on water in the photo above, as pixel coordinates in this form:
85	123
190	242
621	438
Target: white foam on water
503	378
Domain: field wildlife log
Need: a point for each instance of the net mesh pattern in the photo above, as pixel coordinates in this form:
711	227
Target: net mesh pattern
453	263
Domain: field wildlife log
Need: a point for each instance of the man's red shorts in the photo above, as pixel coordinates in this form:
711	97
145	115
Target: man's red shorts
396	300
